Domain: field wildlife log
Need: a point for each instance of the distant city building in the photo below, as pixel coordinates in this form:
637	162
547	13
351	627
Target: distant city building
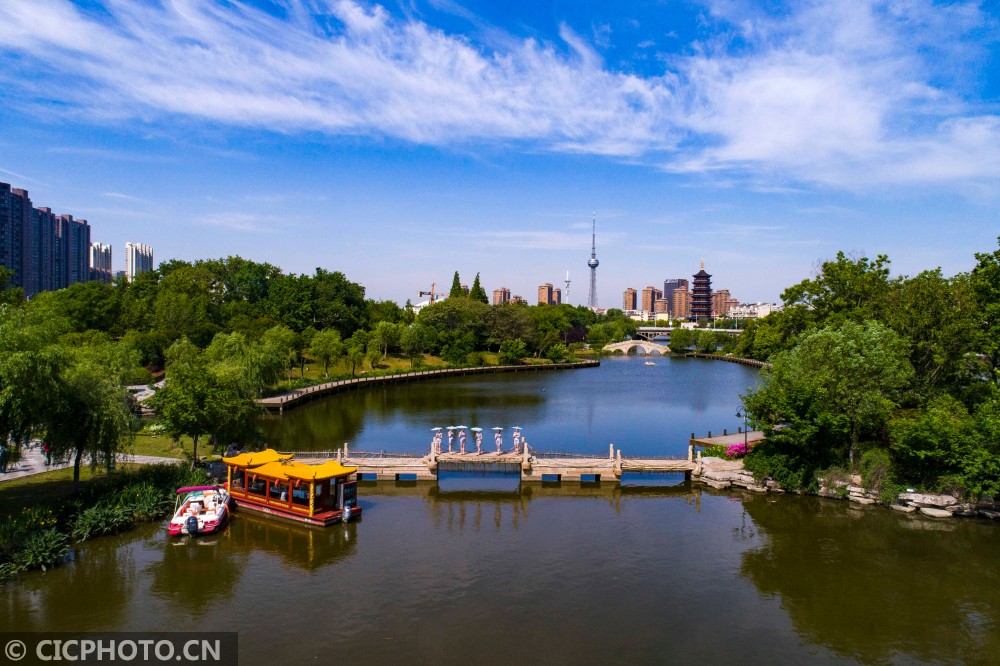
630	300
138	259
100	263
516	298
556	296
722	303
545	294
753	310
120	275
661	306
501	296
680	303
649	297
670	285
701	295
43	251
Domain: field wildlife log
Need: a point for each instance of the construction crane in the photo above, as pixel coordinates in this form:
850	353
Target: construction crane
435	295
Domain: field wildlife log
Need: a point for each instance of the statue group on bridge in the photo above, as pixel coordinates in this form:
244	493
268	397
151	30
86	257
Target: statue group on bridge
438	441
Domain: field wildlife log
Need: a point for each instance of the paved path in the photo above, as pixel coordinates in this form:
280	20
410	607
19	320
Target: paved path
33	462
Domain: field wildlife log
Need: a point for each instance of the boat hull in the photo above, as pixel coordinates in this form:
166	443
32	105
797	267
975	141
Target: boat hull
324	519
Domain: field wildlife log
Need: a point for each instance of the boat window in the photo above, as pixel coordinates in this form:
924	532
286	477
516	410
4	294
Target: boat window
319	489
279	491
300	496
237	482
257	486
350	494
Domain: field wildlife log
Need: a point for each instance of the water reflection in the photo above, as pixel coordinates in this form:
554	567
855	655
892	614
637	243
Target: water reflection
641	409
200	572
301	546
873	585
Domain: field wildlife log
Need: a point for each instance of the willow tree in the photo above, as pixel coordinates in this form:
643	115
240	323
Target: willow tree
89	415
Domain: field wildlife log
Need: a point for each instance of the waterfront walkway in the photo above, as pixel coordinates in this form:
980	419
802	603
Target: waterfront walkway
33	462
287	400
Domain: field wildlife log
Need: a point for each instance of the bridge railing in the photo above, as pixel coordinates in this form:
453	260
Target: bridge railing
557	454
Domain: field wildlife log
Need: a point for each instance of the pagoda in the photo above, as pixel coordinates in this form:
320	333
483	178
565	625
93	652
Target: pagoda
701	295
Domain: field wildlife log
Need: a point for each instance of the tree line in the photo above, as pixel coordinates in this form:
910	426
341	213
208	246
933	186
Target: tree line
225	331
895	378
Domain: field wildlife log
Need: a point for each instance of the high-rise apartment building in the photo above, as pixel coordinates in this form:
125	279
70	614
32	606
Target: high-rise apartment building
556	296
680	303
649	297
701	295
501	296
722	303
670	284
138	259
100	263
44	251
661	306
629	299
545	294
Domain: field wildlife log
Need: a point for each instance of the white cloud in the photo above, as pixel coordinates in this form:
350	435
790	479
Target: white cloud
847	95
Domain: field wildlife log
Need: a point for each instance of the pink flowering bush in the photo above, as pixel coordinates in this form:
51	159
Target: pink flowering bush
737	450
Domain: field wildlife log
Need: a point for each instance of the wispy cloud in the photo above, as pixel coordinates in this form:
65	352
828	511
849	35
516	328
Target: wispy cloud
123	197
847	95
21	177
237	221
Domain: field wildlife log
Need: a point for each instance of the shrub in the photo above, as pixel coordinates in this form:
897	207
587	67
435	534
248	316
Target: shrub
737	450
42	549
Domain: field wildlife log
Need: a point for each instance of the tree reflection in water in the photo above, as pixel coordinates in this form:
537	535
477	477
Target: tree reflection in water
875	585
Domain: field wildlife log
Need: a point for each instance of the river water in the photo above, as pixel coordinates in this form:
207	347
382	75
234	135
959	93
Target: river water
563	573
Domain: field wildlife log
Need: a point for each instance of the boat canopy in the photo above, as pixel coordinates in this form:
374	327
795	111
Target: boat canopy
255	458
296	471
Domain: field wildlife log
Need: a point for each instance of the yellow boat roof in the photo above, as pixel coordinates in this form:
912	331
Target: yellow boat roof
297	471
255	458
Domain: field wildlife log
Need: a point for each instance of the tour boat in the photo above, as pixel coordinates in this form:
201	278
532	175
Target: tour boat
199	510
272	483
650	363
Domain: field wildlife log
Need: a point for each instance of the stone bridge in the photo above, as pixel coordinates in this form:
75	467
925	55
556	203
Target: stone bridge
647	348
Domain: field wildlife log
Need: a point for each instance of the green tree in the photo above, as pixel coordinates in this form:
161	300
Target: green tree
835	388
477	293
387	335
985	281
282	341
202	397
30	366
327	348
456	287
89	416
512	351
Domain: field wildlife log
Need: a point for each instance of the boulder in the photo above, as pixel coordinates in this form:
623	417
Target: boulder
921	500
861	500
716	484
935	513
903	508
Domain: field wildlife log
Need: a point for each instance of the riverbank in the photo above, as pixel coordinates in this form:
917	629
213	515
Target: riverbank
293	398
720	473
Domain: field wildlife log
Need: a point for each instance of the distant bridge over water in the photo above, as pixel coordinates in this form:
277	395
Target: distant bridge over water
663	332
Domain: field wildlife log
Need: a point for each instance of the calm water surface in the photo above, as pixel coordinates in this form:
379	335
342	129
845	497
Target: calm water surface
568	573
644	410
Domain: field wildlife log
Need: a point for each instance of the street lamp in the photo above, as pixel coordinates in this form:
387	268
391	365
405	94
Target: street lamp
743	415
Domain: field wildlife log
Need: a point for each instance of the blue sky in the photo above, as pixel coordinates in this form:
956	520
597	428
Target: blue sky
402	141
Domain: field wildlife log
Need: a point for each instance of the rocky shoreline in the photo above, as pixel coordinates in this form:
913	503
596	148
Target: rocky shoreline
720	474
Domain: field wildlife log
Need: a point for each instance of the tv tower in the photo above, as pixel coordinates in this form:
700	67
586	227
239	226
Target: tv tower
567	286
593	263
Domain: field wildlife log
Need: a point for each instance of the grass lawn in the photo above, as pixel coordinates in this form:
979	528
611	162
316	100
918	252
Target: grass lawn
45	488
165	446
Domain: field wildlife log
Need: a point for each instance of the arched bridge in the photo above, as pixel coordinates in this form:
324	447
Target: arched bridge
647	347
